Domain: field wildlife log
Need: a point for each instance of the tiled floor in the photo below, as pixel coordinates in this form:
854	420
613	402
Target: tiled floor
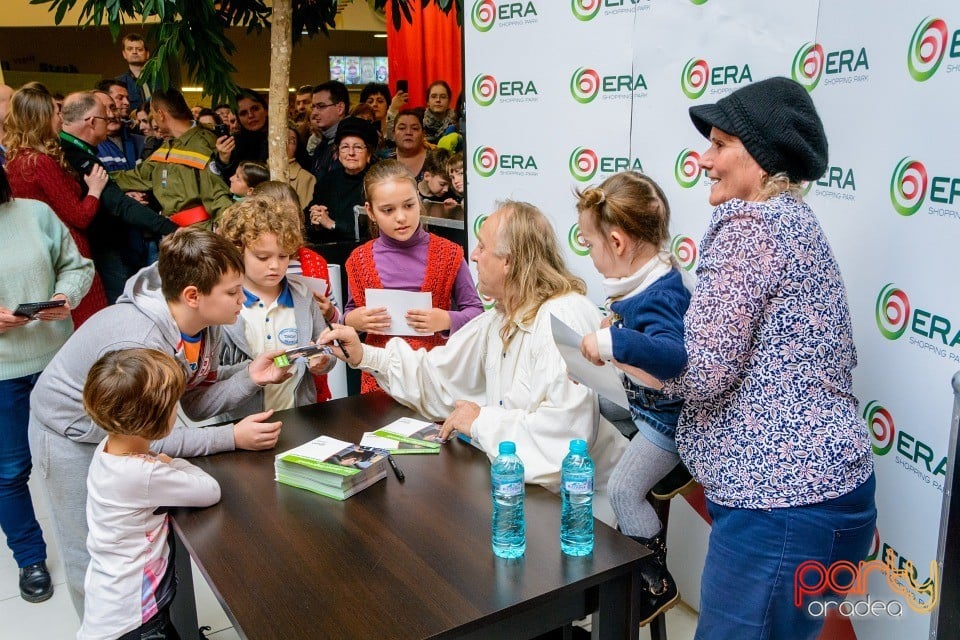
55	619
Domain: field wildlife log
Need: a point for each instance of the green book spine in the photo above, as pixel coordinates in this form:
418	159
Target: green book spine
383	433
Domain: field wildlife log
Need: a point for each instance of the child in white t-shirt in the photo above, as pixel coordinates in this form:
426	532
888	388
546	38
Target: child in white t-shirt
132	394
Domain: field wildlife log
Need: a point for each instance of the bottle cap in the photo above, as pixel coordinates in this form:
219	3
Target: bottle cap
578	446
507	448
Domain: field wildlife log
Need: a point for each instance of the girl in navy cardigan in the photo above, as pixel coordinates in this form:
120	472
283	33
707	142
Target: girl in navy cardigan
625	222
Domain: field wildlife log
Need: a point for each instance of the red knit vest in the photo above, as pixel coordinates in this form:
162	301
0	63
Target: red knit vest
443	262
313	265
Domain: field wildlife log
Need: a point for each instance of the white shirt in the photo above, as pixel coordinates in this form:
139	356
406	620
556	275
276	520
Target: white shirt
128	541
267	328
524	393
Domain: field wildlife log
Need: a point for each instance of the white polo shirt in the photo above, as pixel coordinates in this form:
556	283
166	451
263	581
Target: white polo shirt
269	326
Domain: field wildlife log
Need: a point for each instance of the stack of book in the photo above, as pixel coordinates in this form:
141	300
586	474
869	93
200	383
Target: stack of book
330	467
404	437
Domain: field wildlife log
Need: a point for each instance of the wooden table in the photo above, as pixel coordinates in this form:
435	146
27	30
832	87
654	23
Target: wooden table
398	560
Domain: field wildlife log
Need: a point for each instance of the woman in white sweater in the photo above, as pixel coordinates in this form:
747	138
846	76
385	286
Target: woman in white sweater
38	261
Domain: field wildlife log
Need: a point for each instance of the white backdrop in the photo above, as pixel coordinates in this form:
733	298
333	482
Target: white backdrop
564	93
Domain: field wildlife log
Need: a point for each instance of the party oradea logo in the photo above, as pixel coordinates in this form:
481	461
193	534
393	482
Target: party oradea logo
486	90
912	184
929	331
843	66
587	84
487	162
587	10
487	13
684	250
814	586
697	77
930	43
585	163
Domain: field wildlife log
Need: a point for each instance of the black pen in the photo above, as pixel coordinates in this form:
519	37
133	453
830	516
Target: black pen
337	342
396	468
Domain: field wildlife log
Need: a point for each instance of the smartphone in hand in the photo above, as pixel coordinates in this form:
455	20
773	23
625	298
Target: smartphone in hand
31	309
403	85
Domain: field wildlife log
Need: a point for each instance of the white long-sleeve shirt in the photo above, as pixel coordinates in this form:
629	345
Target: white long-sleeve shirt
524	392
128	541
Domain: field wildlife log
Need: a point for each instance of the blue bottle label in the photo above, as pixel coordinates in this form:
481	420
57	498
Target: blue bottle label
509	489
578	486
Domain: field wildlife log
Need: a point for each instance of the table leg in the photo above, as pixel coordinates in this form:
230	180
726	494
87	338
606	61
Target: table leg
183	609
617	617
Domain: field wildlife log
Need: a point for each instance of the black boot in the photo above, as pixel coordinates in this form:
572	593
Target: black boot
677	482
35	585
660	591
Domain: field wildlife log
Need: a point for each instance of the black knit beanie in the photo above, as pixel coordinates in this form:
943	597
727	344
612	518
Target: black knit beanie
777	123
359	128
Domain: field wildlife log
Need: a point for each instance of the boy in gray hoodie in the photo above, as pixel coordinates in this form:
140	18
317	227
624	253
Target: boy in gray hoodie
175	306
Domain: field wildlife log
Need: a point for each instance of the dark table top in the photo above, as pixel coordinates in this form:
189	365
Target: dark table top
397	560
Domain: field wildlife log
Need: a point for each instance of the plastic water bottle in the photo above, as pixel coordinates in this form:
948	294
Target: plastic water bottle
506	488
576	496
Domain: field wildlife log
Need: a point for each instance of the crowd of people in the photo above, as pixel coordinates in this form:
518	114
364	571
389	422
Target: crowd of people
173	264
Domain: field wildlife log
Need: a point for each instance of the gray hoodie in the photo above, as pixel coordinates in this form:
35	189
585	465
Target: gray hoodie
63	439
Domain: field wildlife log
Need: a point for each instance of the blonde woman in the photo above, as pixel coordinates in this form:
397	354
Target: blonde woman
36	169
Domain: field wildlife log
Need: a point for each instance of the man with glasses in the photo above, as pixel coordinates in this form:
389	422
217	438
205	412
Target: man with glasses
120	149
117	232
331	103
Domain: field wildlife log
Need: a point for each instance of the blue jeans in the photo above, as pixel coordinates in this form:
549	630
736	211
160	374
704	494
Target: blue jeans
748	580
17	519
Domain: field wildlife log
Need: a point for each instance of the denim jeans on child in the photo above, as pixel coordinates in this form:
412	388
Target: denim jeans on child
746	591
17	518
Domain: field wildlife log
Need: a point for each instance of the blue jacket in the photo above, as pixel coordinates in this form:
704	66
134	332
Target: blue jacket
116	159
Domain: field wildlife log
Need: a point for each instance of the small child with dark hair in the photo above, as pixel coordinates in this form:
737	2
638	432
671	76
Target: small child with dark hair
247	176
435	185
130	582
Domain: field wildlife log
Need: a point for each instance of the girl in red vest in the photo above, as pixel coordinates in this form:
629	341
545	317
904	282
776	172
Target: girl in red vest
404	256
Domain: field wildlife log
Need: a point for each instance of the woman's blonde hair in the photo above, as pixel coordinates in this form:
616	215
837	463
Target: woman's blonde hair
776	184
28	127
134	392
631	201
536	271
246	221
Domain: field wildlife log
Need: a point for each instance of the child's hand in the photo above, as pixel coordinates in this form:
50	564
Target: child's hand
369	319
263	370
607	322
162	457
326	307
254	433
590	349
428	321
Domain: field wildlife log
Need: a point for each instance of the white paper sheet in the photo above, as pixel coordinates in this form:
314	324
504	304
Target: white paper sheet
398	303
604	380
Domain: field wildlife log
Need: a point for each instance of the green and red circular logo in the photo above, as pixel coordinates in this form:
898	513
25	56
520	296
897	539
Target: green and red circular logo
484	90
585	10
807	65
893	312
684	249
806	185
575	240
477	224
583	164
908	186
584	85
695	78
687	168
483	15
927	46
882	429
485	161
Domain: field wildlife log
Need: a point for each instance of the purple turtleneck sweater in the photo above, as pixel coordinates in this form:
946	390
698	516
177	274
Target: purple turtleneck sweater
402	265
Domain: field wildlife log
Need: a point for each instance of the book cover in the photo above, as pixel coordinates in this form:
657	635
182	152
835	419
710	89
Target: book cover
410	431
330	467
395	447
